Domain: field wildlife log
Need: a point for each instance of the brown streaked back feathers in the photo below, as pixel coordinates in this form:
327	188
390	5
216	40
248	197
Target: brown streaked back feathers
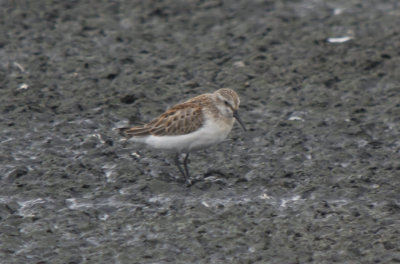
179	120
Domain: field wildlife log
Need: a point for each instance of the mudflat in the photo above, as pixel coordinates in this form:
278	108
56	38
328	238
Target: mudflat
314	180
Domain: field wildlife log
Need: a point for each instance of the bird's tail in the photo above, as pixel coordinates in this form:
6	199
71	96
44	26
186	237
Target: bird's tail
139	131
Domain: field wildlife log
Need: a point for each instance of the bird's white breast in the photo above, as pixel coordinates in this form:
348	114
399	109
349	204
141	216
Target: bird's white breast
210	134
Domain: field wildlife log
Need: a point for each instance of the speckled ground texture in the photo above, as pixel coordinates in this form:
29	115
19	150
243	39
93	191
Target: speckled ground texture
316	178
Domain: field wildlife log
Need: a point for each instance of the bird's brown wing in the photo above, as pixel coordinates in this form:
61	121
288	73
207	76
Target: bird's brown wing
179	120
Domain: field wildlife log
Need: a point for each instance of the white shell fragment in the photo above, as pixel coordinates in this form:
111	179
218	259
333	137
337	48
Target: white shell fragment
339	39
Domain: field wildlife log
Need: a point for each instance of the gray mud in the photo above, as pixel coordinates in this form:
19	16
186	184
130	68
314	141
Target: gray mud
315	180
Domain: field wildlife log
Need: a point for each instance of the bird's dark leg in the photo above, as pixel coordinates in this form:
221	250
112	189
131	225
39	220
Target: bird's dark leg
178	164
185	166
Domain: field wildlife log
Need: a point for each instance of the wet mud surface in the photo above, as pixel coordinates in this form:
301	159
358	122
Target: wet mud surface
315	180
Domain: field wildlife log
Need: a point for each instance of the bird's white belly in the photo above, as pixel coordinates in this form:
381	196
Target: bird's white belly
210	134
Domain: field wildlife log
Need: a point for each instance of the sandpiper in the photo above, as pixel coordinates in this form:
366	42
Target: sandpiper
197	123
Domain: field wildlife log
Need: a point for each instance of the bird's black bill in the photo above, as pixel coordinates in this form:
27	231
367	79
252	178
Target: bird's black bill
236	115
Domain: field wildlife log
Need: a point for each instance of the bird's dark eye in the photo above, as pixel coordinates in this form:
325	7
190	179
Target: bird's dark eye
226	103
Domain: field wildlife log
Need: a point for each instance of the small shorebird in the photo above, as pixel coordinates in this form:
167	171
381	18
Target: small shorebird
200	122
